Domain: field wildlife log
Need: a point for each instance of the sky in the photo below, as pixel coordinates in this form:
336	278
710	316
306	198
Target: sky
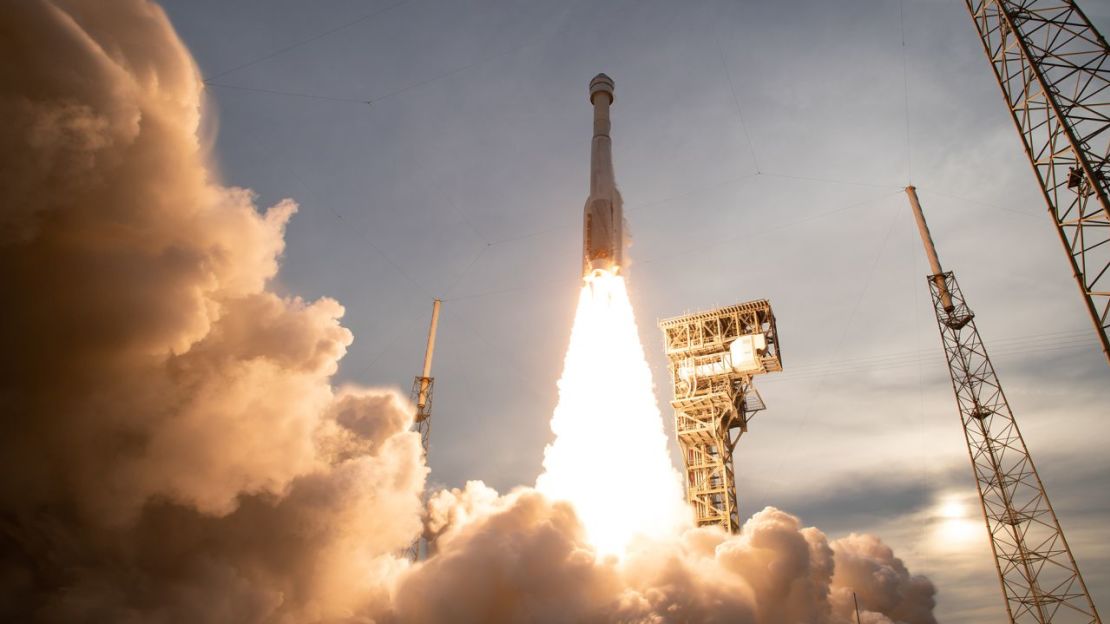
761	149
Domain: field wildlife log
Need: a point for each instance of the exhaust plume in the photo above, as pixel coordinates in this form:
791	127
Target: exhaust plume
175	450
523	558
609	458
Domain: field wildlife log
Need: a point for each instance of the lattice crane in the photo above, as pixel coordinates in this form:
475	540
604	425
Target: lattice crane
1054	70
1040	579
713	356
421	397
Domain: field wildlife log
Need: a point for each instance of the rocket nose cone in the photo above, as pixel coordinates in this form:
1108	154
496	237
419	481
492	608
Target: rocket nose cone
601	84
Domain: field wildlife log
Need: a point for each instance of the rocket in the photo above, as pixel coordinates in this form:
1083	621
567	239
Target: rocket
603	221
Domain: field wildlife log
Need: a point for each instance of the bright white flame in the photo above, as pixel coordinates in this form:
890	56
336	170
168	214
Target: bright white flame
609	458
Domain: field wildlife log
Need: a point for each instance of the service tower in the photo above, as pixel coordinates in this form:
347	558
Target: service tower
1040	579
713	357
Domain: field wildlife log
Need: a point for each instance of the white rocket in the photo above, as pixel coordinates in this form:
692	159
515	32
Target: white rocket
603	222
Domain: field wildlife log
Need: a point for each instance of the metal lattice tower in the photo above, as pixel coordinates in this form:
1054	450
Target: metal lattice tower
1040	579
421	397
1054	70
713	357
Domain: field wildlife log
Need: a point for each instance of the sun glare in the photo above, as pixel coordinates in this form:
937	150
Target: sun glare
955	524
610	458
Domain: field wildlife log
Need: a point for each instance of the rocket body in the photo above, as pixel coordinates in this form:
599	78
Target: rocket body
603	220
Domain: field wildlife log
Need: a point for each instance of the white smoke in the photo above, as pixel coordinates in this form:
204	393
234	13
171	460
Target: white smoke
175	450
536	564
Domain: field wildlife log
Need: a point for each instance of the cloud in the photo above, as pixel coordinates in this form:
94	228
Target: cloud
880	581
175	449
521	557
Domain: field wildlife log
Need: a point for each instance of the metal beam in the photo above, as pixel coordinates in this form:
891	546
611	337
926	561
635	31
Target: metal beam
714	398
1040	580
1054	71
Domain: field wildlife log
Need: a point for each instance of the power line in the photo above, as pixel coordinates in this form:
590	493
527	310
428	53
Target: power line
638	207
823	376
459	277
527	42
397	335
922	358
736	100
501	291
466	220
450	73
980	203
703	188
705	248
311	96
389	260
532	234
827	180
412	320
371	100
292	174
906	86
1016	344
303	42
1018	340
709	246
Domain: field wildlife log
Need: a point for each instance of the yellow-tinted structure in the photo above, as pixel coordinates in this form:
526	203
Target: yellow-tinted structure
713	357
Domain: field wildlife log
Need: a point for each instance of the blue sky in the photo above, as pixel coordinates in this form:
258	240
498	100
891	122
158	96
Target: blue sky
761	149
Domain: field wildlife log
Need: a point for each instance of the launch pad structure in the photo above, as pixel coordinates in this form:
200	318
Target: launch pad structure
422	386
713	357
1053	67
1041	582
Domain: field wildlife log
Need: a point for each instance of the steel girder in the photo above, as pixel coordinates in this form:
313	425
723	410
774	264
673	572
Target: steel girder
1054	71
713	401
1040	579
422	424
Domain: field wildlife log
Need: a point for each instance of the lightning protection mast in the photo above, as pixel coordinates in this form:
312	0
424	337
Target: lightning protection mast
1040	580
421	396
1054	71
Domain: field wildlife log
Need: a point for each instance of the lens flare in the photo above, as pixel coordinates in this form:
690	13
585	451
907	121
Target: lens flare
609	458
955	527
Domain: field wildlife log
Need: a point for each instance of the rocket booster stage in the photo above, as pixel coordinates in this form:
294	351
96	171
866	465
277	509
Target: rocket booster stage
603	221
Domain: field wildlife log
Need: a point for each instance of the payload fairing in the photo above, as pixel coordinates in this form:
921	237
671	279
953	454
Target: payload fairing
603	221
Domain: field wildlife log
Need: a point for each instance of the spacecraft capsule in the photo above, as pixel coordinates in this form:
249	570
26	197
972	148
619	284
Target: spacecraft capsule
603	221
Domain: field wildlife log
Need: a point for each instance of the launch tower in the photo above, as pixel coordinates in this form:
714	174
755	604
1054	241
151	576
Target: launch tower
713	357
422	397
1054	71
1040	580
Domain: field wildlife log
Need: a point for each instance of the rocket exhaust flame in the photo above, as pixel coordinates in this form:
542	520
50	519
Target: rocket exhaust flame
609	458
610	454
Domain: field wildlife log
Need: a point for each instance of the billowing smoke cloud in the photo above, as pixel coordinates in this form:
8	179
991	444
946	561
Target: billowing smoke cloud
534	567
174	448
